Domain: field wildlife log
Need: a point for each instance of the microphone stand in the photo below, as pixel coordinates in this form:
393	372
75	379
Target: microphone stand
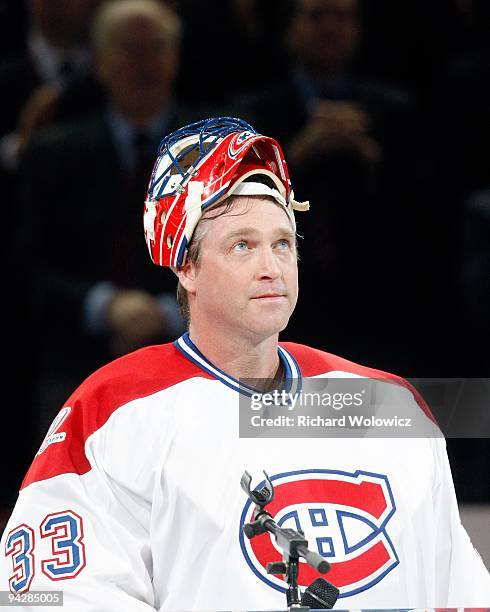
291	542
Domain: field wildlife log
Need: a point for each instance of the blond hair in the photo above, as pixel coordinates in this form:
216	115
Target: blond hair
112	12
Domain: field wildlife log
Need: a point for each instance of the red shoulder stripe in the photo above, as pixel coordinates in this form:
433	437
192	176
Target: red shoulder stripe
131	377
313	362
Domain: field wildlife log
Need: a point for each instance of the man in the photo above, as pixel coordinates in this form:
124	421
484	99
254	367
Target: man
133	499
51	81
47	83
356	144
107	298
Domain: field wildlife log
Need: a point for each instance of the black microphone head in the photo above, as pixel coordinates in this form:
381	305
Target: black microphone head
320	595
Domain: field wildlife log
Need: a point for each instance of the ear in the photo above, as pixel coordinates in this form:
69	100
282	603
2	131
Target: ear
187	276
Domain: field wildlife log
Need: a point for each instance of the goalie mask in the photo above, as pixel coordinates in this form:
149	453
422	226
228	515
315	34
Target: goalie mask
198	167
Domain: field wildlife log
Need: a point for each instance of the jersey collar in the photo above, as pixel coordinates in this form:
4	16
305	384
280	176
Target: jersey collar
291	368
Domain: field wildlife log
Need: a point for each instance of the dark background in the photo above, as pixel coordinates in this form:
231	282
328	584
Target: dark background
395	264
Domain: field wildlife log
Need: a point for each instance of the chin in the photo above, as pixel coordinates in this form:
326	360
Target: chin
270	327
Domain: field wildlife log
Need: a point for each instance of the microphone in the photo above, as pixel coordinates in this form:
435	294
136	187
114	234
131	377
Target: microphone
320	595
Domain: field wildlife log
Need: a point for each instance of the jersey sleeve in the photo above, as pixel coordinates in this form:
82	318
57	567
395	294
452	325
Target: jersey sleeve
68	533
462	578
75	528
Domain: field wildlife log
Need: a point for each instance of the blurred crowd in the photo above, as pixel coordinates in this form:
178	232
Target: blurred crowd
382	109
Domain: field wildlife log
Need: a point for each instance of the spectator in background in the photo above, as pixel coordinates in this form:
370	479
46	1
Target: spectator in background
353	146
83	187
52	79
407	42
230	47
49	81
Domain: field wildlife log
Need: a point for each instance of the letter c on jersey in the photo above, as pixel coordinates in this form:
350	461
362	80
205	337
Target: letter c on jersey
344	516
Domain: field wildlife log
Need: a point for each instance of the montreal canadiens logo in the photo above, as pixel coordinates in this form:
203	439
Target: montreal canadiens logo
238	142
344	517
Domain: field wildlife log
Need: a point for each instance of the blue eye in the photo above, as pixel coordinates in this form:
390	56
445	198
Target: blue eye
240	246
283	243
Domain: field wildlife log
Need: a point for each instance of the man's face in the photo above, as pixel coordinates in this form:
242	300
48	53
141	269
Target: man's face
138	66
246	283
325	33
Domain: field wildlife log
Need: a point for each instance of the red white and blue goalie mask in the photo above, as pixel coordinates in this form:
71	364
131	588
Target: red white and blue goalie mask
198	167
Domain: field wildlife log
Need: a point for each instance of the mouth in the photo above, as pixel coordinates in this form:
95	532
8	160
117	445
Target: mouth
272	297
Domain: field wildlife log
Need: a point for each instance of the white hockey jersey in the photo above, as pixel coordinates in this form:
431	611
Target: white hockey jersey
133	502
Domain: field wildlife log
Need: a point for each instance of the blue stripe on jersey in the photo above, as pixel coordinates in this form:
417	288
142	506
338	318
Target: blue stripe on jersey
291	368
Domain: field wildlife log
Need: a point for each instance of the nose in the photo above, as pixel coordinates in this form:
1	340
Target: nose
268	267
